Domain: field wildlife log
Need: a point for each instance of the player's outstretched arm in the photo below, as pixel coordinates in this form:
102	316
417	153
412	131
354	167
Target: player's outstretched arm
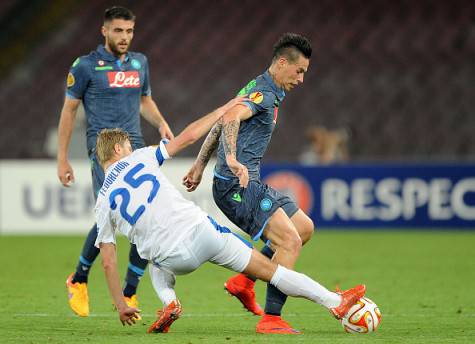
153	115
231	124
65	131
194	175
200	127
109	262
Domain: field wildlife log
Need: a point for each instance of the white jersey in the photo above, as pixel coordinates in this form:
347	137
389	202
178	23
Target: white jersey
139	201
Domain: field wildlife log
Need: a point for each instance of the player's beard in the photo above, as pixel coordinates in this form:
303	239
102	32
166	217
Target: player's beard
115	49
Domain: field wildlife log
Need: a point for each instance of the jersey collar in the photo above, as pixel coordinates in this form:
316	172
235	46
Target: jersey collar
107	56
278	91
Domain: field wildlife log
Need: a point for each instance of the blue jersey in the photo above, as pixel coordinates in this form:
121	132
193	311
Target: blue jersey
111	92
255	132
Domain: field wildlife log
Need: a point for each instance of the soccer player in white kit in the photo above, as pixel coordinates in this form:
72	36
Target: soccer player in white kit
174	234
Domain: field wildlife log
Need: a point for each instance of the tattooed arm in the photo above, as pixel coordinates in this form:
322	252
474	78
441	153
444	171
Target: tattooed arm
231	122
194	175
234	116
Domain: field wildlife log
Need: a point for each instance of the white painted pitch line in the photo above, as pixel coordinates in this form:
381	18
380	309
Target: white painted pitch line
214	315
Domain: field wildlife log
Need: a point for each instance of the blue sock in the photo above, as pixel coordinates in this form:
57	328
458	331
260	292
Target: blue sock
135	271
89	253
275	299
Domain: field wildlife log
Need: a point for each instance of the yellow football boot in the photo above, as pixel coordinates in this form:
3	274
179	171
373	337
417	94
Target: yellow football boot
133	302
77	297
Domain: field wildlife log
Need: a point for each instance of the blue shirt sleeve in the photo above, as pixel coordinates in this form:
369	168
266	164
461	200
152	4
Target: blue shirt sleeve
146	89
78	79
261	101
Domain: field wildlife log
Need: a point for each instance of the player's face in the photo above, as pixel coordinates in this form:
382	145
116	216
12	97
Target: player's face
292	73
118	34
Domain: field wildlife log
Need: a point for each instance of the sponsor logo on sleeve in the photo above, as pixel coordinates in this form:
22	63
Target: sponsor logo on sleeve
256	97
70	81
128	79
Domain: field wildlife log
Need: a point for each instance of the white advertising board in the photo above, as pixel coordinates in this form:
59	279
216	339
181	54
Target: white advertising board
32	200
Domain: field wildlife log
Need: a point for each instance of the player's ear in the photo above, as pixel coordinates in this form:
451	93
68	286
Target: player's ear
117	148
282	62
103	30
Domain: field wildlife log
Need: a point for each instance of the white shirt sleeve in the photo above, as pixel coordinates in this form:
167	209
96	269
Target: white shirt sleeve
105	228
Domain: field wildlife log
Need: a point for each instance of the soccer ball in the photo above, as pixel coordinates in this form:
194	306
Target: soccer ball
363	317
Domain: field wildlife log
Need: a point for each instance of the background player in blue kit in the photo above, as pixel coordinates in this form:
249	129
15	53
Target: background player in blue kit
114	87
256	208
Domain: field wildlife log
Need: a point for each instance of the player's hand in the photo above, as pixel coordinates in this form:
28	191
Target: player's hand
128	315
65	173
165	131
239	171
193	178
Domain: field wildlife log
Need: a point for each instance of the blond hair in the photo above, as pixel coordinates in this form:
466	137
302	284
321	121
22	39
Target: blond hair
106	141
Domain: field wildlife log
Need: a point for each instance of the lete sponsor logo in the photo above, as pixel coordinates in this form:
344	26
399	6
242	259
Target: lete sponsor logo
124	79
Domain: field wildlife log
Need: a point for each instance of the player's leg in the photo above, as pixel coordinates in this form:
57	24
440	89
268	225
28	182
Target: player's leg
196	248
296	284
164	284
275	299
286	244
304	225
251	212
238	256
76	283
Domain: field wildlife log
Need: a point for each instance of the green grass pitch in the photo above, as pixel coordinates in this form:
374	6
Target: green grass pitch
423	282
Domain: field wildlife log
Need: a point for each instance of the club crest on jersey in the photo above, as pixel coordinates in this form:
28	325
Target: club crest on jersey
100	63
266	204
135	64
70	81
128	79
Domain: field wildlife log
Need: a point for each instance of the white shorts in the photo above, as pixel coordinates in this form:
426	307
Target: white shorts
206	243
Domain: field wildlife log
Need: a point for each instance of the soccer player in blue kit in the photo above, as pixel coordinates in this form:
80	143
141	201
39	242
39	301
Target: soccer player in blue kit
113	85
258	209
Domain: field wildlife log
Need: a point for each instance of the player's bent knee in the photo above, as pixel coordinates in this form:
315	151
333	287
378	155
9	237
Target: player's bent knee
304	225
307	231
292	243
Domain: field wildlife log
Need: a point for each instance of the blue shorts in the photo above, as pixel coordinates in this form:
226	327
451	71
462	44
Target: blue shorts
97	173
250	208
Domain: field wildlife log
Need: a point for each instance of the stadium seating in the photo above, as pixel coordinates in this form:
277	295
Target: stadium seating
400	75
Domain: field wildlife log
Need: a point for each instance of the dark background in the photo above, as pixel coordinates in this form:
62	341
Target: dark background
398	75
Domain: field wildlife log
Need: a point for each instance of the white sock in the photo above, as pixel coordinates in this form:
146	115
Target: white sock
164	284
295	284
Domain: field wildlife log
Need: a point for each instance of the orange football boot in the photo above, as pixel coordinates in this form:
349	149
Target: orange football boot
166	317
348	299
274	324
242	288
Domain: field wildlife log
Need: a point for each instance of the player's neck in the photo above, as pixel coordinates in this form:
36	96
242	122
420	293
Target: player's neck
107	164
272	73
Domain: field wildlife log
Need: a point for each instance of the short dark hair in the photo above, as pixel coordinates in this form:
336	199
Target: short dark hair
290	45
118	12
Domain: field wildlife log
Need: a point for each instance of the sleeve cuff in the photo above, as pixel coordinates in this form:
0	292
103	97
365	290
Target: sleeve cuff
161	152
